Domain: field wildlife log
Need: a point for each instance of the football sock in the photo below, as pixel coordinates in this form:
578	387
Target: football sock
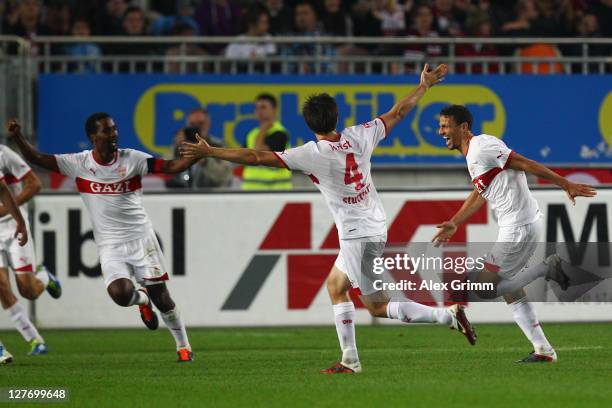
42	275
525	316
521	279
344	316
177	328
139	297
23	324
413	312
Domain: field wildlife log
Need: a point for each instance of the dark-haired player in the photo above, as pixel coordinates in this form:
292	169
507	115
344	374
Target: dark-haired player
339	165
498	175
109	182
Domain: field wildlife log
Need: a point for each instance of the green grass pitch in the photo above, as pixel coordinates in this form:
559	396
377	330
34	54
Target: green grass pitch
404	366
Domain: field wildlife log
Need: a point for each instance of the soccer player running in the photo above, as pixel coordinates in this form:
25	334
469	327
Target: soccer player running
20	234
31	280
339	165
109	182
498	175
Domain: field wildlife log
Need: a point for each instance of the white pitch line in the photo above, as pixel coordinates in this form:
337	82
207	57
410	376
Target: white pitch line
578	348
483	350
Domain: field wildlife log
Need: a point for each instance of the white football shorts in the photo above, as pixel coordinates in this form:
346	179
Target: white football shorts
356	260
21	259
515	249
140	258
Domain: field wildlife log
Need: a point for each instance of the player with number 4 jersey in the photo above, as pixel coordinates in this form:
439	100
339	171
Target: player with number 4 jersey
339	165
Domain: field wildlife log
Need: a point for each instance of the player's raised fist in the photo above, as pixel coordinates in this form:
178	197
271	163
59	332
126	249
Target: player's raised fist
430	78
21	233
13	127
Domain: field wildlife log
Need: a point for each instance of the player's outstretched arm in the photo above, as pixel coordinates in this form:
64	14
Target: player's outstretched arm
447	229
172	166
403	106
30	153
8	202
249	157
573	190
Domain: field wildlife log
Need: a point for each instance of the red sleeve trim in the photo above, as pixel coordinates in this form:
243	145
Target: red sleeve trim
11	179
508	160
25	268
385	125
282	161
491	268
157	165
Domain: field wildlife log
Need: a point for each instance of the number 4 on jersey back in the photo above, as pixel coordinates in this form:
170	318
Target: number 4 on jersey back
352	173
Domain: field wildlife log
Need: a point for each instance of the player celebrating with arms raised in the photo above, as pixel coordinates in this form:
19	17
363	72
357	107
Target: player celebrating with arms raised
339	165
498	175
109	182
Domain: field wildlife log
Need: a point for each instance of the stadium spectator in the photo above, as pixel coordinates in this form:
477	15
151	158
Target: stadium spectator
391	16
110	21
365	24
449	19
281	17
336	21
478	24
507	18
81	28
183	14
211	172
166	7
307	25
551	21
541	19
25	21
521	26
500	12
603	10
182	29
257	24
546	52
58	17
587	26
218	18
270	135
133	24
423	27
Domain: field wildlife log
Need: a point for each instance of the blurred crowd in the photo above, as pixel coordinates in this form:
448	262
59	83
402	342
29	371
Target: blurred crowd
396	18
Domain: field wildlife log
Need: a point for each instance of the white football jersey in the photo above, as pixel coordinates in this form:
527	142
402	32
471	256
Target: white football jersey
341	171
111	192
505	189
14	169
